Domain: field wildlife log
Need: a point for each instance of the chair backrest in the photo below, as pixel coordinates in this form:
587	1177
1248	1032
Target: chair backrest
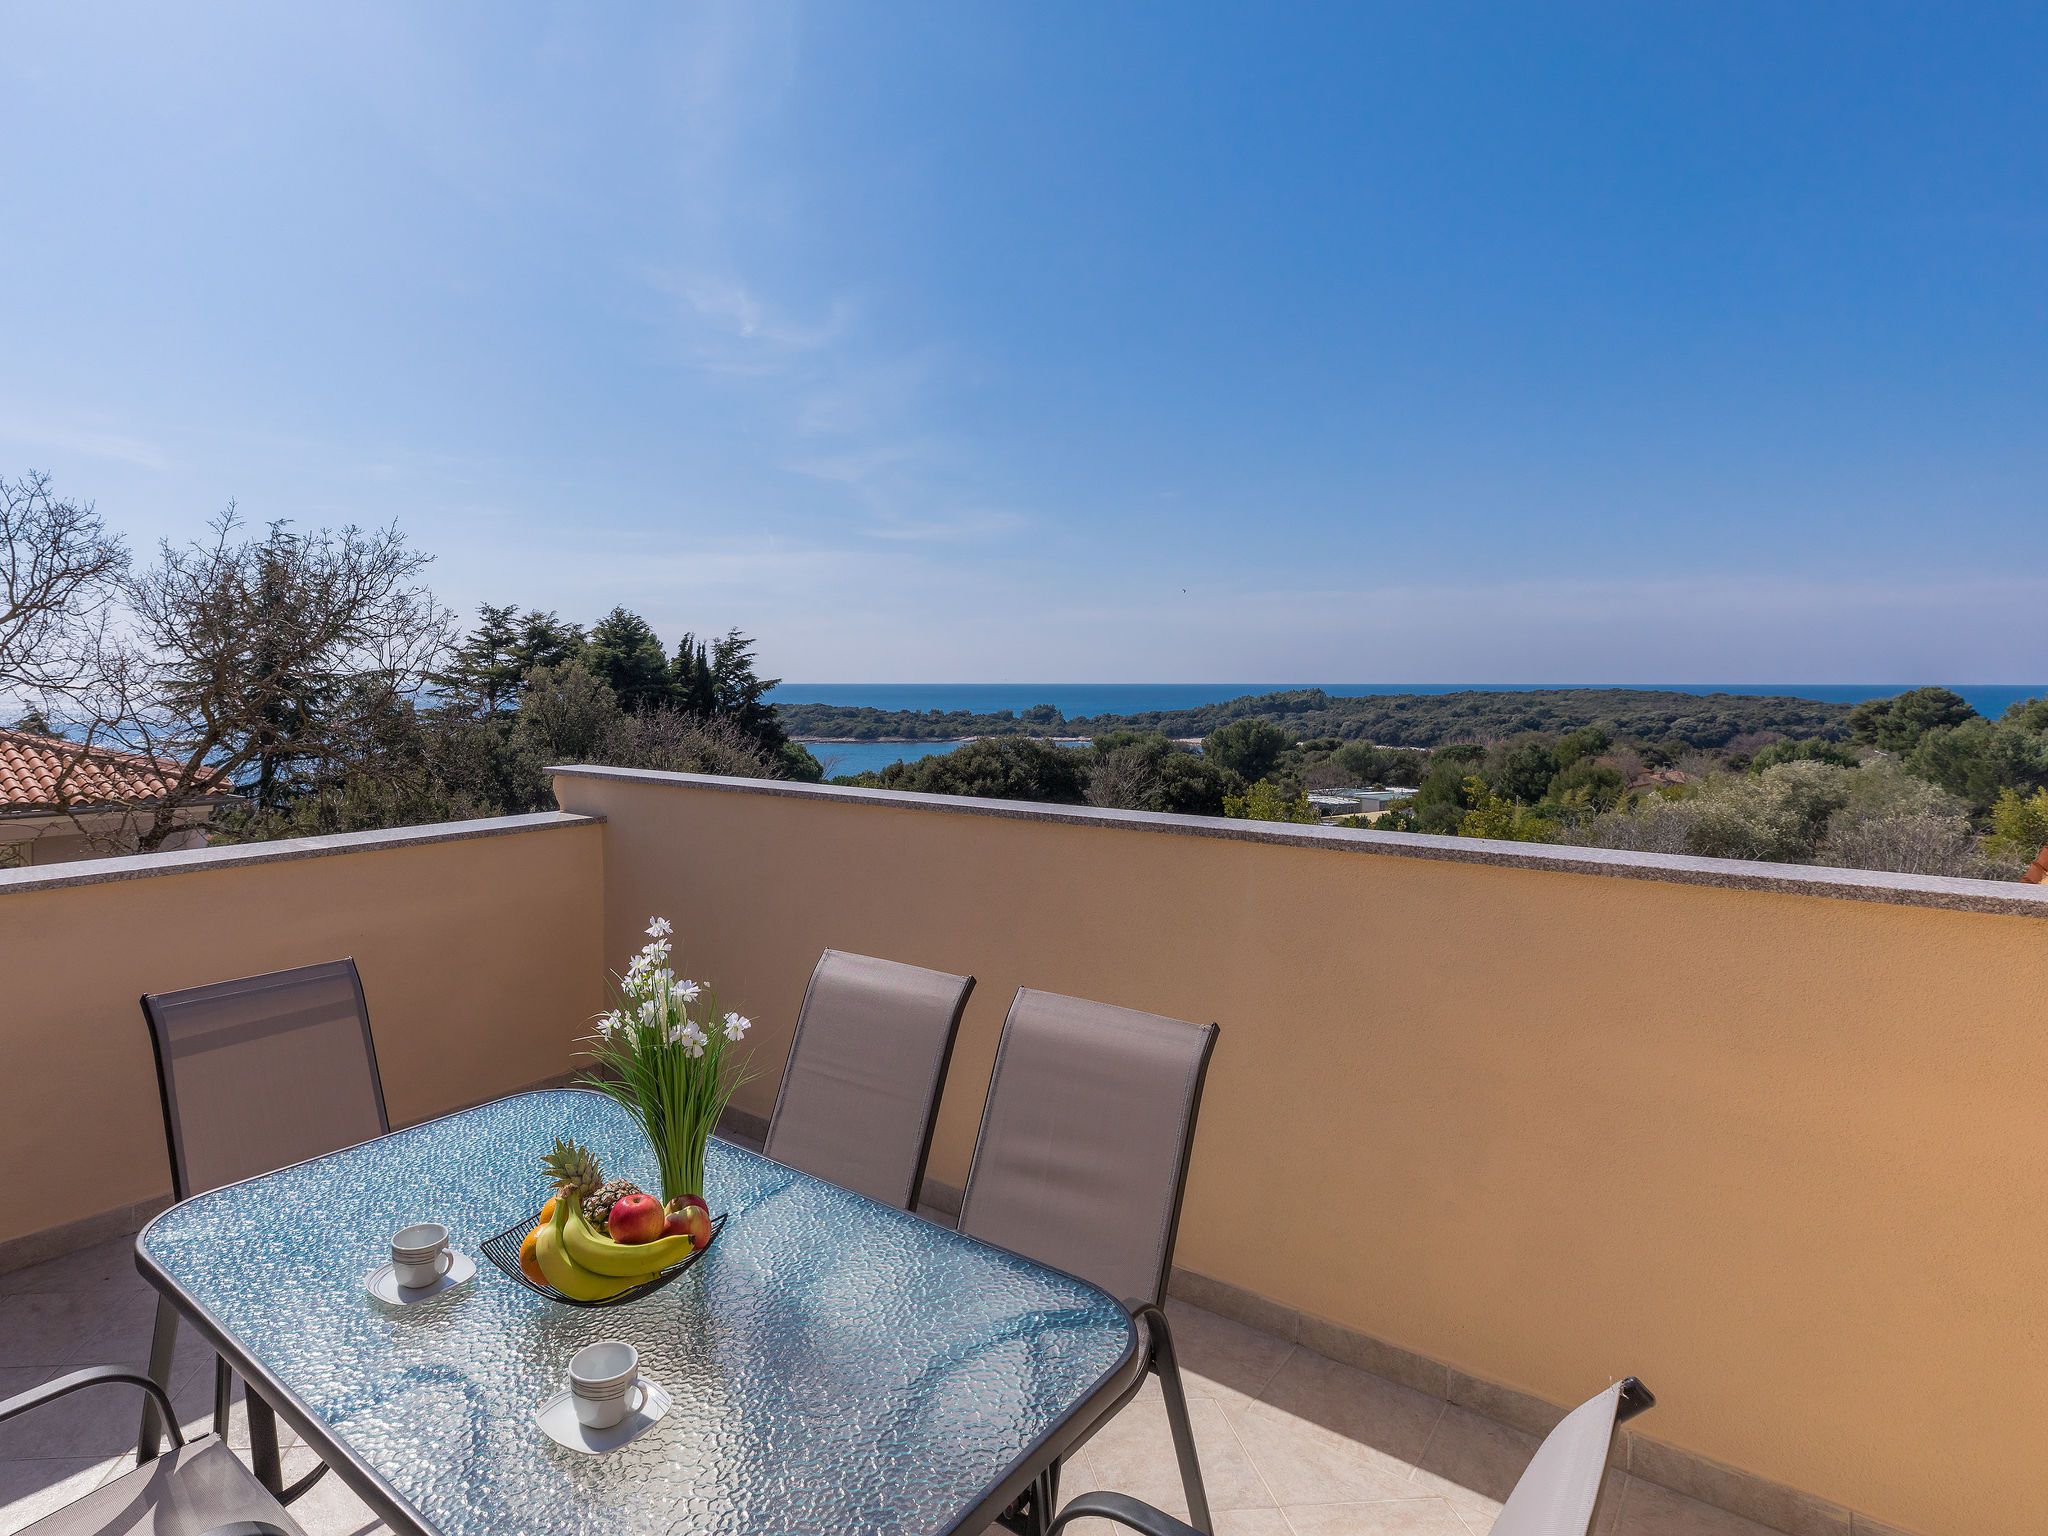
264	1072
861	1090
1083	1152
1560	1488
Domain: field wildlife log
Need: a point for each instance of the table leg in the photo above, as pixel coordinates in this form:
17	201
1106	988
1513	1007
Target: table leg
163	1345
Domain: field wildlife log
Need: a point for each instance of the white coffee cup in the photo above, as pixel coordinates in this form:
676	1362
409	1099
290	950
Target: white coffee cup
420	1254
605	1385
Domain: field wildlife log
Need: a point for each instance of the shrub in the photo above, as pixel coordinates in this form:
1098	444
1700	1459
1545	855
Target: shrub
1265	802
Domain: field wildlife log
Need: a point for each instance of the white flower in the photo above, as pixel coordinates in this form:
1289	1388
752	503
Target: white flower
688	1036
735	1026
686	990
659	928
650	1010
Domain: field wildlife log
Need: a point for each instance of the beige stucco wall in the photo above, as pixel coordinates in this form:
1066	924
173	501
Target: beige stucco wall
1785	1157
479	959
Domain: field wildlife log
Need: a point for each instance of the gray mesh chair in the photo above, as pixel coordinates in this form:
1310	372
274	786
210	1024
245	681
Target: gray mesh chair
861	1090
1558	1494
257	1074
200	1489
1081	1163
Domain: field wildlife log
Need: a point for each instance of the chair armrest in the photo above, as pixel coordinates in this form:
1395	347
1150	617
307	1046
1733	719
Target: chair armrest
64	1386
1124	1510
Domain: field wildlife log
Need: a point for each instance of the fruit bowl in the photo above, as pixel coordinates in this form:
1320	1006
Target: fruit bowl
503	1251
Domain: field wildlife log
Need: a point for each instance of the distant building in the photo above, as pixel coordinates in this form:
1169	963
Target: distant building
60	801
1355	802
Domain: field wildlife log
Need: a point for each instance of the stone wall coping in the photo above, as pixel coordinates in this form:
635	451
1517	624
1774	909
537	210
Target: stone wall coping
142	866
1996	896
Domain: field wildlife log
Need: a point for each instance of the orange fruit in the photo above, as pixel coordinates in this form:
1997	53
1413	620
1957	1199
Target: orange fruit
529	1262
547	1212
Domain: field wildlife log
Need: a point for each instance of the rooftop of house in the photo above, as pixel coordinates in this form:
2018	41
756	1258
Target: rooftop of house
47	773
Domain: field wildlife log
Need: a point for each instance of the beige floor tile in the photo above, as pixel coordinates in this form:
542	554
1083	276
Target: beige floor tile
1304	1463
1368	1410
1382	1517
1474	1462
1133	1454
30	1490
1250	1522
1648	1510
328	1508
104	1266
40	1329
1222	1359
98	1422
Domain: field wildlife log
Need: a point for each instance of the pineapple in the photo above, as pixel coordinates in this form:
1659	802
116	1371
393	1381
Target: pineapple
597	1208
573	1169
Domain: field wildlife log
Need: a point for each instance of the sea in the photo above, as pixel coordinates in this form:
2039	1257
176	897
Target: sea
1075	700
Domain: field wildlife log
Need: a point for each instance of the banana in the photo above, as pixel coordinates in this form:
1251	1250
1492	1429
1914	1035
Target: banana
565	1274
603	1256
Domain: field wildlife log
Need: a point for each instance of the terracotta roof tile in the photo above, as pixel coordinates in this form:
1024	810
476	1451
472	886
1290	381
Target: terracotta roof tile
31	767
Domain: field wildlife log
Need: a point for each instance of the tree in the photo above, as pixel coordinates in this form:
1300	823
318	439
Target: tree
996	768
545	641
625	654
1525	771
737	693
1249	748
692	683
483	674
1144	771
1495	816
1265	802
2019	826
1979	758
248	658
60	571
567	714
1897	724
1815	750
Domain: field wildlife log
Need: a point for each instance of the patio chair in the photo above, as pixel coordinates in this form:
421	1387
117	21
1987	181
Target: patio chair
257	1074
1558	1494
1081	1162
861	1091
200	1489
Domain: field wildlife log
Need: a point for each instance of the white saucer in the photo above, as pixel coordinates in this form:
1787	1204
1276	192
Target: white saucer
558	1421
382	1282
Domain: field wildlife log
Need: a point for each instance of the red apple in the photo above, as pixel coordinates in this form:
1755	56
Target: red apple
688	1214
636	1219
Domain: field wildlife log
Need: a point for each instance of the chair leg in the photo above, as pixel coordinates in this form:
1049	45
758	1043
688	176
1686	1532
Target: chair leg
263	1457
223	1397
163	1346
1032	1514
1167	1368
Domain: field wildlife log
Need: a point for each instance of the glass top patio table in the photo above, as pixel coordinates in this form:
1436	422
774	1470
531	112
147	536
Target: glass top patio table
835	1365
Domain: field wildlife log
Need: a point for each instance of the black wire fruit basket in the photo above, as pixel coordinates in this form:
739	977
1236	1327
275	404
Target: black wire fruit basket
503	1251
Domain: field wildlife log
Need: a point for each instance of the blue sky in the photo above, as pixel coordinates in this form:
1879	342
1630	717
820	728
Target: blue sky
1136	342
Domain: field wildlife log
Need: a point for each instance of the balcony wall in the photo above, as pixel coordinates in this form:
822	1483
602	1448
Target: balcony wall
479	949
1772	1139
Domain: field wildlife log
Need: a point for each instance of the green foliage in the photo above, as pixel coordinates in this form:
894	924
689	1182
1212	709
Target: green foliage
2027	714
1249	748
1897	724
736	692
1588	741
1494	816
1979	759
1526	770
1691	721
1584	785
567	712
1813	750
484	671
1362	764
626	655
2019	823
1007	768
1264	801
1143	771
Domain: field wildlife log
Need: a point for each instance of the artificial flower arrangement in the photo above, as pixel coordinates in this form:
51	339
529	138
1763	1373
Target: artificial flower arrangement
665	1054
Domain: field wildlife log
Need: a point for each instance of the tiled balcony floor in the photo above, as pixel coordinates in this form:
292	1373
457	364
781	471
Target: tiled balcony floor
1292	1444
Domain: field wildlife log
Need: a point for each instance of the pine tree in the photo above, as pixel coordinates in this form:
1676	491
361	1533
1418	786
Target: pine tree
625	652
483	674
694	688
